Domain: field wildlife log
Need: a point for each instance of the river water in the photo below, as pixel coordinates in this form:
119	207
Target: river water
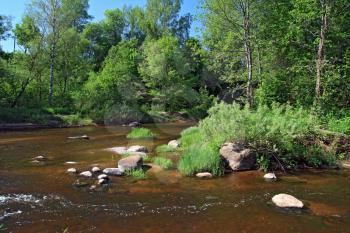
40	197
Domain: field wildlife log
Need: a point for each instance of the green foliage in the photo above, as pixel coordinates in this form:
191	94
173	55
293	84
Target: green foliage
139	133
190	136
136	174
279	135
200	158
25	115
341	125
163	162
164	148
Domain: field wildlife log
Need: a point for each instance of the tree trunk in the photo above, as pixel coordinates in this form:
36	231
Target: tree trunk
248	53
52	60
321	49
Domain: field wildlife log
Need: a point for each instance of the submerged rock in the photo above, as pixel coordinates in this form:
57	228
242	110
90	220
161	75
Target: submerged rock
96	169
70	162
72	170
174	143
113	172
80	137
79	183
40	158
287	201
130	162
118	149
87	174
134	124
270	176
237	157
137	148
204	175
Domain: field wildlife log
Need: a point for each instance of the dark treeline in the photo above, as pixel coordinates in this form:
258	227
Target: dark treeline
141	62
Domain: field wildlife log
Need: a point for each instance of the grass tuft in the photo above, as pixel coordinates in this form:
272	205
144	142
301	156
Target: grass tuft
200	158
136	174
163	162
139	133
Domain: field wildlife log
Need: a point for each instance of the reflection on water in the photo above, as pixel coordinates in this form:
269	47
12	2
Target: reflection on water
40	197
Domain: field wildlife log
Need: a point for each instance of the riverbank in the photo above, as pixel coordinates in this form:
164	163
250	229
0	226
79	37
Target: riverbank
12	119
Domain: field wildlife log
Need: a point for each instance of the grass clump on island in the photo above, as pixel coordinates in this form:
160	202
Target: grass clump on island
280	135
140	133
163	162
136	174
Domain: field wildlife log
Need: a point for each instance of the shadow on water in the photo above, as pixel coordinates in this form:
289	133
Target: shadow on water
40	197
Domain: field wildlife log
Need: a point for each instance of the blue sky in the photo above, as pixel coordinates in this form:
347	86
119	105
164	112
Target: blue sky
16	8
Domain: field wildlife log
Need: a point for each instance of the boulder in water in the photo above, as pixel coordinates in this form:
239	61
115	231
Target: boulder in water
72	170
206	175
270	176
79	137
95	169
102	176
287	201
137	148
237	157
174	143
86	174
113	171
130	163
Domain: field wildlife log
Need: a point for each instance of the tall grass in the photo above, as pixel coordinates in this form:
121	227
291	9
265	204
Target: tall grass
163	162
139	133
200	158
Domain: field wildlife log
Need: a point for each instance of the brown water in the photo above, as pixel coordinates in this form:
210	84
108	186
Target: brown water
41	198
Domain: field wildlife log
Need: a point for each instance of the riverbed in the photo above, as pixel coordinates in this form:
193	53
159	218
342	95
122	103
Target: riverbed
40	197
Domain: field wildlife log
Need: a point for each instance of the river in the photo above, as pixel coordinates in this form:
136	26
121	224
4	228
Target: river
40	197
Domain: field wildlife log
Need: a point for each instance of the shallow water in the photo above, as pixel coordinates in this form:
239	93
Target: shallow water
41	198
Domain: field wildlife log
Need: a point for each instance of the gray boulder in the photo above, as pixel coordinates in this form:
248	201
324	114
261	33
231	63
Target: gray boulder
130	162
237	157
287	201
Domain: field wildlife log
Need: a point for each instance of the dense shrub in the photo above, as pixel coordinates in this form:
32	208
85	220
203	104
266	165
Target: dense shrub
280	135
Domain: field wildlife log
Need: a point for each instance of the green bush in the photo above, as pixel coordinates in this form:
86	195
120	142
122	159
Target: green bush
279	135
341	125
139	133
200	158
163	162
